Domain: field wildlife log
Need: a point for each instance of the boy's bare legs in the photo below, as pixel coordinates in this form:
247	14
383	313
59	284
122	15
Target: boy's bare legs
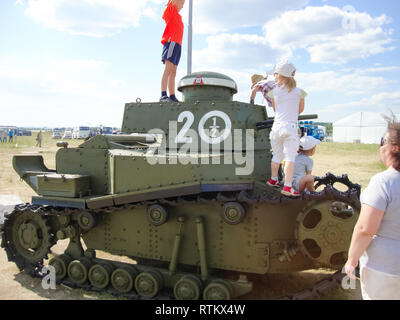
168	77
171	79
306	182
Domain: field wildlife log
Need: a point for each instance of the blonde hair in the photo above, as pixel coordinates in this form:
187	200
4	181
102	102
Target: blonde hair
289	83
255	78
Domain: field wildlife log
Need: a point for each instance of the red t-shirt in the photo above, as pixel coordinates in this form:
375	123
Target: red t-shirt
174	28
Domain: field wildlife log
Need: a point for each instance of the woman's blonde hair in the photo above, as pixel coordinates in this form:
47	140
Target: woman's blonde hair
289	83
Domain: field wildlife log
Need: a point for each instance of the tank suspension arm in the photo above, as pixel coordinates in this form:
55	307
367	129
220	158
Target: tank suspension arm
266	124
202	248
175	249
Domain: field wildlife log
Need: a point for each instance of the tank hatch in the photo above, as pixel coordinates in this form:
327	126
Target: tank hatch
207	86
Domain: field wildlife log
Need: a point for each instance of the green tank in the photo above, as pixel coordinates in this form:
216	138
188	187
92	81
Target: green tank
182	192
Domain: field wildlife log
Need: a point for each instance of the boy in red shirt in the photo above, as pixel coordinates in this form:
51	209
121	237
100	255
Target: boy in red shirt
172	42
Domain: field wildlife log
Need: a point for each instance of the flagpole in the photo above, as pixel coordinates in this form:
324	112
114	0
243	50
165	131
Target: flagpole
190	31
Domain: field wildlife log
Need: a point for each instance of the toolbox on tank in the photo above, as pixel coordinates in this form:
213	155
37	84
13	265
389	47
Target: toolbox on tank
64	185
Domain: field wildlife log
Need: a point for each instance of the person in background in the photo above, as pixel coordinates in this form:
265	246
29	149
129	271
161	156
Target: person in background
261	84
39	139
172	42
375	244
287	103
303	165
10	135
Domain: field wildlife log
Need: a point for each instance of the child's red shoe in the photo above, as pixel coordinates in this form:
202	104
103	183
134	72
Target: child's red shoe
273	183
288	191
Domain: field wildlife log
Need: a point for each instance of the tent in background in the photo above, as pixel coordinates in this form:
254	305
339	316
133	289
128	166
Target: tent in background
360	127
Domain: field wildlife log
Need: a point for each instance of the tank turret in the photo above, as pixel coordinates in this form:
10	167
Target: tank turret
182	191
207	86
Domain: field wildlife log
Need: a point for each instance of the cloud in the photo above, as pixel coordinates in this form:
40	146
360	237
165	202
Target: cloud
212	17
330	34
351	83
96	18
99	18
379	101
244	51
61	88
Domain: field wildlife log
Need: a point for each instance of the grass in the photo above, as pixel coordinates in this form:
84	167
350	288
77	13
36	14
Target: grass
359	161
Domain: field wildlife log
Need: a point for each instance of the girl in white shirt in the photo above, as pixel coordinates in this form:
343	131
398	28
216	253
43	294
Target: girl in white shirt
287	103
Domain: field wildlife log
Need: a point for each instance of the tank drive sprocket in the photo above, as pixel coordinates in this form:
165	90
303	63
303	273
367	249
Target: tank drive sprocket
27	237
324	231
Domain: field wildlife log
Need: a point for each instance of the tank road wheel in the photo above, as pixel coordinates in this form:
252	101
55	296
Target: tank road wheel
218	290
60	264
122	279
148	284
324	231
86	220
78	270
188	288
233	213
157	215
27	238
100	274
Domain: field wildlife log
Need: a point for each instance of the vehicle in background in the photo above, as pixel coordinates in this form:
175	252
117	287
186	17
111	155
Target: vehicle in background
81	133
308	128
57	133
107	130
24	132
67	134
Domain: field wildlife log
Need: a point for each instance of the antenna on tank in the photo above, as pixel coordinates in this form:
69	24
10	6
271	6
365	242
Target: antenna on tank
190	31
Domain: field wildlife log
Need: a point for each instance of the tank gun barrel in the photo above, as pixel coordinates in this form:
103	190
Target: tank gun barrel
267	124
135	137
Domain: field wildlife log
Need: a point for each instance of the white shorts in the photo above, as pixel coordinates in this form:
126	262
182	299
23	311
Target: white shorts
284	141
376	285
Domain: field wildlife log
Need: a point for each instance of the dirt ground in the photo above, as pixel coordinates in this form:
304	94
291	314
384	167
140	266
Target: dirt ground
15	285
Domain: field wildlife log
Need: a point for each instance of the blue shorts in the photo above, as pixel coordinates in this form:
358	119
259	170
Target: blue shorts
171	52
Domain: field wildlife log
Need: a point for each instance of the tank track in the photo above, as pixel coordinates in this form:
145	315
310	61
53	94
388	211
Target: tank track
351	197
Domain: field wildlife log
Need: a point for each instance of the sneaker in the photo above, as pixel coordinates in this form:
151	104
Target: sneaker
173	99
288	191
273	183
164	99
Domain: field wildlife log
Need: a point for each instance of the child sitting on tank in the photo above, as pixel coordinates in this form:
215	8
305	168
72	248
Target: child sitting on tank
261	84
303	165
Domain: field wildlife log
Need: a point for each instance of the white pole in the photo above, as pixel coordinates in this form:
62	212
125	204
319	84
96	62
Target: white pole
190	31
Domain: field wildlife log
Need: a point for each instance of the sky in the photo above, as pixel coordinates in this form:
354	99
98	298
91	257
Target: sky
77	62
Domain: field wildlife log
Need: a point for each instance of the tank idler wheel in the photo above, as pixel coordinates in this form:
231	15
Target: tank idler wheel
233	213
78	270
218	290
87	220
188	288
122	279
148	284
157	215
100	274
60	264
